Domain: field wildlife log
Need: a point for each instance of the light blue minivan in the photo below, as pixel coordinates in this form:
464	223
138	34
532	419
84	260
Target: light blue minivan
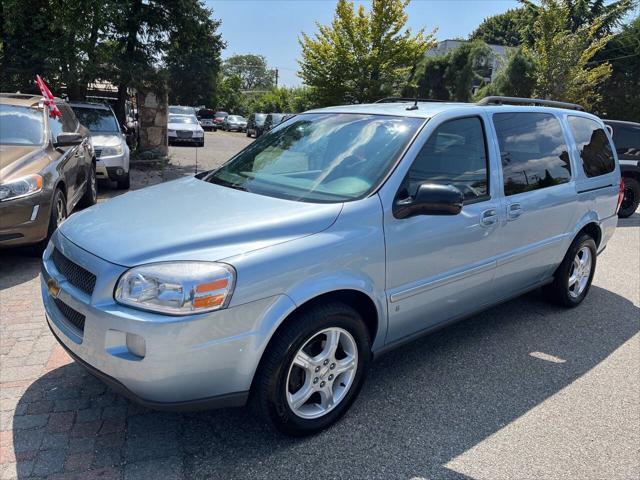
342	233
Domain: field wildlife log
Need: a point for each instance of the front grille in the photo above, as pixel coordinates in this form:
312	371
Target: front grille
74	317
184	133
98	152
75	274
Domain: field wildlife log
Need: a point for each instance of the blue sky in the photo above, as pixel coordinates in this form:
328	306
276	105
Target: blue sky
271	27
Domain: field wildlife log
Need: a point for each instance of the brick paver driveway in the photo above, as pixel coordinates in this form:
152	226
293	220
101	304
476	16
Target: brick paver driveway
522	391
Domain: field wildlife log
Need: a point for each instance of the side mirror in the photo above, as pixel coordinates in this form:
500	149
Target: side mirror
68	139
430	199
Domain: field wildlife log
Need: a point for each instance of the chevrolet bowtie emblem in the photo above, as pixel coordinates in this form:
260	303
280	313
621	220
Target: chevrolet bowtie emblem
53	288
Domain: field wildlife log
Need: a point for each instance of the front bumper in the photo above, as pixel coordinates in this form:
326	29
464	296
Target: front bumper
25	221
176	139
196	361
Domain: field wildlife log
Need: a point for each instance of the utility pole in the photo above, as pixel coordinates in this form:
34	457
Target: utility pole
276	77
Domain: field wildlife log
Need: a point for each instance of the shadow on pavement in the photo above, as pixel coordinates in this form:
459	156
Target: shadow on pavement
422	405
17	266
632	221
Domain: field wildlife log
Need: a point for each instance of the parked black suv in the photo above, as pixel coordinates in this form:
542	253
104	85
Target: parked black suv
273	120
626	137
255	124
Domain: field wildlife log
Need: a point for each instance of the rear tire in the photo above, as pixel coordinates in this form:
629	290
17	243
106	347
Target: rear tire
330	381
631	197
573	277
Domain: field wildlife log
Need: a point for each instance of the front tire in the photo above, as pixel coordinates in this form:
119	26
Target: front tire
631	197
573	277
56	217
313	370
124	183
90	196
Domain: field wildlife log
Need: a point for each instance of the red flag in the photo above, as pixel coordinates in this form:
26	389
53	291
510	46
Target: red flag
48	97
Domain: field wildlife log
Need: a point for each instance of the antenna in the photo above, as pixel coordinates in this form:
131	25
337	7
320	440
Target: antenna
415	101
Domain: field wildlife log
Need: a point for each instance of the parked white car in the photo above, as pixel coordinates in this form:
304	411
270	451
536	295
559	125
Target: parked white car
109	142
185	129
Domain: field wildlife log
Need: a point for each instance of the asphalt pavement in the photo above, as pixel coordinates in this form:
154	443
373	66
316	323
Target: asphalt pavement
525	390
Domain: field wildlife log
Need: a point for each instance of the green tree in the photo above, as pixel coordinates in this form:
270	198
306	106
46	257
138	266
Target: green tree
515	78
620	98
508	28
362	55
451	76
193	58
563	59
252	71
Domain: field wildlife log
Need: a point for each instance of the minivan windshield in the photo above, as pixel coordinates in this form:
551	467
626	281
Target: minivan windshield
21	125
320	157
97	120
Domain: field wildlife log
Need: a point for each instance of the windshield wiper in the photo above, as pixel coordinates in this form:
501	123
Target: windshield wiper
225	183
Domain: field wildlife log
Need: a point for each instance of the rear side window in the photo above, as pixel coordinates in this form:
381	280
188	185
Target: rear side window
533	151
69	122
455	154
593	145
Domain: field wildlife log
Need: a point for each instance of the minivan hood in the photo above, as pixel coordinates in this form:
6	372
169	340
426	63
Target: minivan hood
190	219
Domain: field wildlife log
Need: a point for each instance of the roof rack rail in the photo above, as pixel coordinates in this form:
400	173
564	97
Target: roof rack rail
19	95
498	100
405	100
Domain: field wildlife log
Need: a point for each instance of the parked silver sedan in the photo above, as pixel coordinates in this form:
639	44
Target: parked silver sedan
185	129
234	122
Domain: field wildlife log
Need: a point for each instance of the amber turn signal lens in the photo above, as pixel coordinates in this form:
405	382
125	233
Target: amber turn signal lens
212	286
208	301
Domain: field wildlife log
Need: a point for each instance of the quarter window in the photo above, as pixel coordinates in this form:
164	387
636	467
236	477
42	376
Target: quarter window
533	151
455	154
593	145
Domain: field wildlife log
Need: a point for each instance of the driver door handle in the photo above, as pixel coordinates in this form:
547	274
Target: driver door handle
514	211
489	217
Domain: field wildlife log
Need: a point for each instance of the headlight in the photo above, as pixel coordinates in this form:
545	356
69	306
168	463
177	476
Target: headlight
112	151
20	187
177	288
198	133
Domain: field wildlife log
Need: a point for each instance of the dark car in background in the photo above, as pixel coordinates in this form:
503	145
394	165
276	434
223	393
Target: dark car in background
47	168
218	119
255	124
205	117
273	120
234	122
626	138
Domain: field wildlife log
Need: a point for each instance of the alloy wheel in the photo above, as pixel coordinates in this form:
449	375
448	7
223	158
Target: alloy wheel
580	272
321	373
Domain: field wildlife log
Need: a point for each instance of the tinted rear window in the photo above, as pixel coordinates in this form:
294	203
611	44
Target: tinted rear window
533	151
593	145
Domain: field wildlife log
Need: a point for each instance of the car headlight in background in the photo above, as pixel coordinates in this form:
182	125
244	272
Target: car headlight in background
21	187
112	151
177	288
198	133
171	132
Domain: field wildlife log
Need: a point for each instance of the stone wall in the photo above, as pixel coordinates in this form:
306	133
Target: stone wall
152	118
